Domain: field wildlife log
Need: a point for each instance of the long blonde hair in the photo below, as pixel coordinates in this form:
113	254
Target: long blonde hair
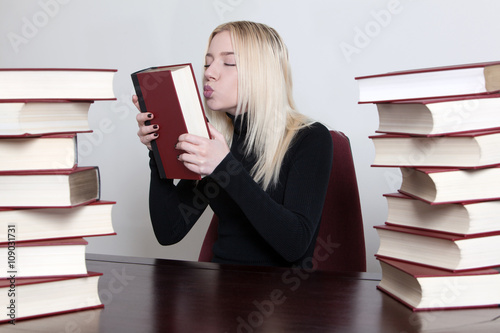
265	94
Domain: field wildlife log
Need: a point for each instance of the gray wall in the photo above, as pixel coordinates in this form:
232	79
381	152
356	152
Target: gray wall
330	43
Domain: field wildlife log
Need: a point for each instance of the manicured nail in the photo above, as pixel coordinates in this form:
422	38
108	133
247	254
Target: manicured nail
155	126
150	115
155	135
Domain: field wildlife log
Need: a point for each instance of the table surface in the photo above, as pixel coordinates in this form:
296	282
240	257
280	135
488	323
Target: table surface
156	295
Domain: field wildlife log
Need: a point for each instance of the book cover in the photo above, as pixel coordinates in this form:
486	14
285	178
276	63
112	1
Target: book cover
172	95
49	188
460	218
470	150
435	234
443	99
433	69
452	81
52	242
35	224
451	185
41	258
57	83
35	117
438	116
45	152
47	296
439	249
422	288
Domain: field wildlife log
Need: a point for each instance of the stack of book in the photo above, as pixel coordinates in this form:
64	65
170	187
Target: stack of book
440	245
48	202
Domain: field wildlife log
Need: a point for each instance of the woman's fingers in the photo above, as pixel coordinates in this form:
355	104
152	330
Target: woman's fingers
146	132
143	117
202	155
135	100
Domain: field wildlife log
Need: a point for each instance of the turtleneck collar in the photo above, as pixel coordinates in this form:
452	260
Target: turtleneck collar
239	123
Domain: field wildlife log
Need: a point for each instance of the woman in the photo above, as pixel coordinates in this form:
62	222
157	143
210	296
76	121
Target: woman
267	166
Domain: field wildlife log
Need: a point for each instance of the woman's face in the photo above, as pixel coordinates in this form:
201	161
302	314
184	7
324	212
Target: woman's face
221	75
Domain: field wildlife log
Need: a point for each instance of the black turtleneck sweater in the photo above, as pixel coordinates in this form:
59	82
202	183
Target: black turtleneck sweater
277	227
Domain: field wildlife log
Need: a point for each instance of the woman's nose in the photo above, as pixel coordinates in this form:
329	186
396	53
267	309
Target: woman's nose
211	72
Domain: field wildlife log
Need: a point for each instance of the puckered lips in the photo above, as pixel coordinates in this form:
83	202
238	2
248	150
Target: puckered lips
207	91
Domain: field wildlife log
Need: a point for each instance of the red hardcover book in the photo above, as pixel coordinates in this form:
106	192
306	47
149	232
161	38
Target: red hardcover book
424	288
439	249
49	188
463	218
42	257
35	117
450	185
456	80
439	116
39	297
469	150
171	94
46	152
57	83
31	224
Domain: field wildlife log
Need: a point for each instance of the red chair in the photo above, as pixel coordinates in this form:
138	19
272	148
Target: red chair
341	222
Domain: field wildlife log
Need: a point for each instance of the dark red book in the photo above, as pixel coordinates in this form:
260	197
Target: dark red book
462	218
469	150
46	152
49	188
27	298
450	185
171	94
93	219
438	116
57	83
439	249
35	117
41	258
455	80
424	288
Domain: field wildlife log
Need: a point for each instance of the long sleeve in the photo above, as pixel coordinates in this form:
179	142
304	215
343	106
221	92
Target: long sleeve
174	209
288	216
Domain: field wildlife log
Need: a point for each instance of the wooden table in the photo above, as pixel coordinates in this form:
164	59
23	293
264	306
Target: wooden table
152	295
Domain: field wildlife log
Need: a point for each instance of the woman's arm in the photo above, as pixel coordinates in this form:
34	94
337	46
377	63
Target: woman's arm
173	209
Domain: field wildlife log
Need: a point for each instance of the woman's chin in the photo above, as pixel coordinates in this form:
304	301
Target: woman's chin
231	111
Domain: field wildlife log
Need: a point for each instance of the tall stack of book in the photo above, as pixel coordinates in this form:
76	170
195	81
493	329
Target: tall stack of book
440	245
48	202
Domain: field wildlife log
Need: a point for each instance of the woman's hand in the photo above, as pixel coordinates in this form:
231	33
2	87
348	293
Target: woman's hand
199	154
146	133
202	155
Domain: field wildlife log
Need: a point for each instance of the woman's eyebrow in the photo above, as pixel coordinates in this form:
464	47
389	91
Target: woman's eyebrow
222	54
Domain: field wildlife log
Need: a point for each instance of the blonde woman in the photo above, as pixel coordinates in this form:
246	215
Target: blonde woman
267	166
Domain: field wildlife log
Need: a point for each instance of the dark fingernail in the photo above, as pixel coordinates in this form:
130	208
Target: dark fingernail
155	126
155	135
150	115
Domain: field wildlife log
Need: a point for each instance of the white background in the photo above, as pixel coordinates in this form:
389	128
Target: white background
330	43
